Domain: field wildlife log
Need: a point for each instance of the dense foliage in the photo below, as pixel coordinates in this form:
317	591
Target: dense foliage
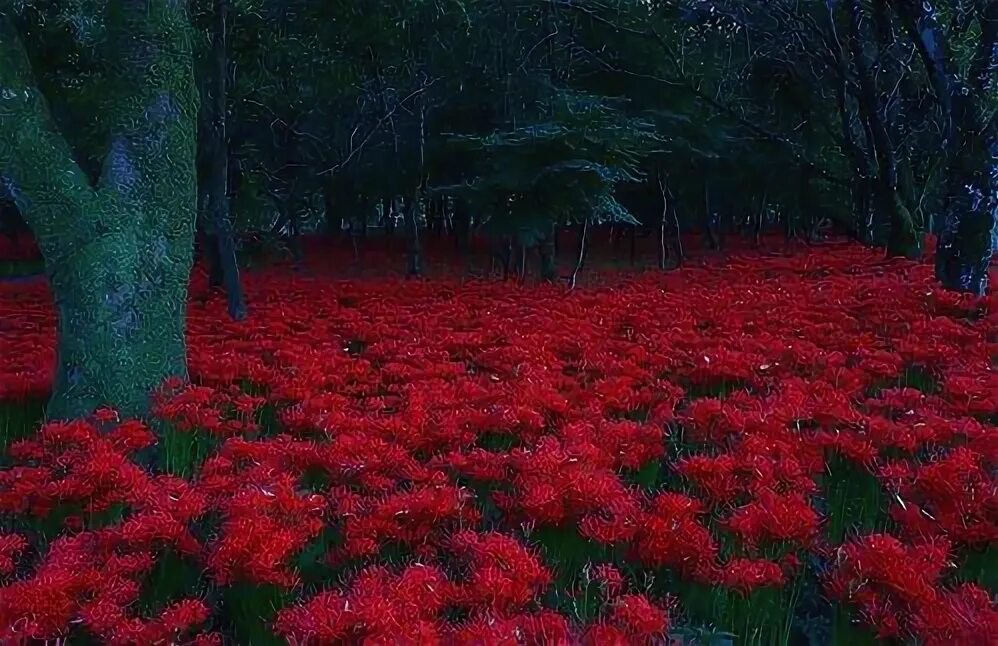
874	115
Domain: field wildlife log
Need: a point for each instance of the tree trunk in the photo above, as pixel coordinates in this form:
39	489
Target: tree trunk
462	226
414	255
663	247
581	257
332	215
758	220
297	253
389	222
967	232
546	247
902	239
805	200
633	243
710	220
507	257
860	167
120	324
970	219
118	253
10	218
356	232
209	248
218	195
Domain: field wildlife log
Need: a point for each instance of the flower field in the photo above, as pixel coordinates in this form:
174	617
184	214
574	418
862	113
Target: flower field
771	449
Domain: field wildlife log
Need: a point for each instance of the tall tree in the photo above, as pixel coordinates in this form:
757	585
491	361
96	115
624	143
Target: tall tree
966	237
118	249
217	220
902	239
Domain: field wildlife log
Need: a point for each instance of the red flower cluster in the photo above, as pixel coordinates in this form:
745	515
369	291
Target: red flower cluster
953	496
517	442
898	589
382	607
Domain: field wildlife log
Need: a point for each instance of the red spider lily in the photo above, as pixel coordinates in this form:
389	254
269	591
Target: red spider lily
776	518
897	588
542	627
502	574
378	606
452	419
639	618
953	496
610	580
672	535
11	546
745	575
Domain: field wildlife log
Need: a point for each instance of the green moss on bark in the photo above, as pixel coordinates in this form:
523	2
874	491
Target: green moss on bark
118	254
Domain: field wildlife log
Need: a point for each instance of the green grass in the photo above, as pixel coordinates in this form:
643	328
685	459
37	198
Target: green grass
855	500
251	609
18	420
182	452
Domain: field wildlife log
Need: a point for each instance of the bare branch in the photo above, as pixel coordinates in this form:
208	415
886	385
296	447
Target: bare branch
354	151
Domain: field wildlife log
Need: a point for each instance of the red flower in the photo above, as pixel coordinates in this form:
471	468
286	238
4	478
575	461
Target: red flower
11	546
639	618
610	580
745	575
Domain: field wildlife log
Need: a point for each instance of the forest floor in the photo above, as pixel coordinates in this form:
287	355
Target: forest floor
763	447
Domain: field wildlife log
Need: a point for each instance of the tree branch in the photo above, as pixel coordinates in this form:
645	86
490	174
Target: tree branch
354	151
36	162
683	81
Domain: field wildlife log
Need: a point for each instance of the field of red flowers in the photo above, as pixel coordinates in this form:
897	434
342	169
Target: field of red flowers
782	449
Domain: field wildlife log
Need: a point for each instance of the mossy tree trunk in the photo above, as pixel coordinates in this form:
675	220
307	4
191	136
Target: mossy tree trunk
118	252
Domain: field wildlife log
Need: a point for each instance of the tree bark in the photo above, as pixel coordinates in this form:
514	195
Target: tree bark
333	217
414	255
710	223
546	247
224	267
120	329
663	247
966	242
581	258
462	226
118	254
902	239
